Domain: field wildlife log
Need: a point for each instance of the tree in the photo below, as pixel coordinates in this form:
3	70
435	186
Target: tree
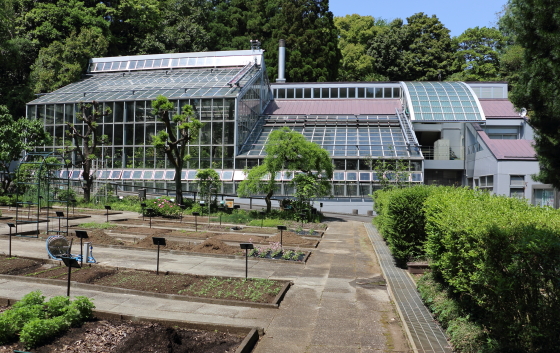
421	50
16	137
355	32
62	63
208	179
86	143
478	54
536	24
286	150
180	130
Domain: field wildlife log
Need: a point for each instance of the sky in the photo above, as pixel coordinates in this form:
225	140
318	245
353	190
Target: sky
456	15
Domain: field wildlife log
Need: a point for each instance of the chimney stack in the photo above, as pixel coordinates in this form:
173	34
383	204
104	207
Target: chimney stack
281	61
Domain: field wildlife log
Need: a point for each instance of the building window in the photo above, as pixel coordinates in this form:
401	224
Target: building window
486	182
544	197
517	193
517	180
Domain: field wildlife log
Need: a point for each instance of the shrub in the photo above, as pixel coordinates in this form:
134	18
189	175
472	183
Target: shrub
164	207
504	255
38	331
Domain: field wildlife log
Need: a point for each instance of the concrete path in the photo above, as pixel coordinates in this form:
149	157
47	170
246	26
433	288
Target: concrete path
338	302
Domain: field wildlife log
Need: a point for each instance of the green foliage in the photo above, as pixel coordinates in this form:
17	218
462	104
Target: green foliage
502	254
401	220
164	207
17	136
208	180
237	217
477	55
180	130
465	335
37	322
287	150
535	24
355	32
419	50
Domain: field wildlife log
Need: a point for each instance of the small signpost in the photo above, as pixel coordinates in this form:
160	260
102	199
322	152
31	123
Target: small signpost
195	214
246	246
108	208
158	241
320	207
183	208
281	229
262	213
73	201
59	215
70	262
150	212
143	205
11	225
221	209
82	234
302	216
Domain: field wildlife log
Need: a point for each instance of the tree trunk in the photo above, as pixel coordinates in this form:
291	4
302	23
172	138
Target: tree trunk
178	186
268	201
88	182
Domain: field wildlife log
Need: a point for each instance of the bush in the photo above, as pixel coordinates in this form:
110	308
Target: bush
37	322
504	255
401	220
164	207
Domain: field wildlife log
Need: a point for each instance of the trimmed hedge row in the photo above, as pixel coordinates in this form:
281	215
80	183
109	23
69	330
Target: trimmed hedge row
401	220
498	256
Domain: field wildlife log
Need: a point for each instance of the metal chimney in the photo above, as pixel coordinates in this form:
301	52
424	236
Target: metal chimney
281	61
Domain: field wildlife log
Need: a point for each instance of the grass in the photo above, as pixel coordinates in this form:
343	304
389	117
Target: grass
267	222
95	225
254	290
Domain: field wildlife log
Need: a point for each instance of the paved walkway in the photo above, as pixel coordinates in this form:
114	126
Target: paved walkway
426	334
338	302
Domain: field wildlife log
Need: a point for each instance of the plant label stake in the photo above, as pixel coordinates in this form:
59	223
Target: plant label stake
59	215
262	217
11	225
150	211
302	215
70	262
82	234
108	208
221	209
246	246
195	214
281	228
158	241
183	208
73	205
143	205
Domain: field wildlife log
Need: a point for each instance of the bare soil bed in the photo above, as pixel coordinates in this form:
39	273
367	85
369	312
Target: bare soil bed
125	337
252	290
288	238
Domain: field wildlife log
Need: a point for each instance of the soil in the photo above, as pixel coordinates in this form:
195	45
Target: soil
149	281
125	337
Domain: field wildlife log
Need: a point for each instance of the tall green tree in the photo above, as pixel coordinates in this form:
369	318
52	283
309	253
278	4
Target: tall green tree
419	50
478	54
208	182
290	151
355	32
87	143
180	130
536	24
16	137
62	63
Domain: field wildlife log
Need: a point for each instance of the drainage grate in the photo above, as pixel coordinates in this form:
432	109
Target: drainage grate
426	333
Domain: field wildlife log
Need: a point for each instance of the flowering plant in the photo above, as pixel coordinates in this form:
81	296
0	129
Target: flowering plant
164	207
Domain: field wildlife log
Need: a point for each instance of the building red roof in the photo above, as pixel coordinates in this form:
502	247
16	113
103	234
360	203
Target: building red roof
498	108
333	107
510	149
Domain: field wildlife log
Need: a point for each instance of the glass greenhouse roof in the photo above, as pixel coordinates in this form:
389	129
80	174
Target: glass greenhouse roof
174	84
346	141
176	60
442	101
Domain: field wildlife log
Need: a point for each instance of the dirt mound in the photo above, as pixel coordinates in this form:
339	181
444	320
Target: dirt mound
215	246
96	236
292	239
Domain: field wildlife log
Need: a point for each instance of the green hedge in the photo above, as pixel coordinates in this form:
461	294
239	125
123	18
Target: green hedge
401	220
502	255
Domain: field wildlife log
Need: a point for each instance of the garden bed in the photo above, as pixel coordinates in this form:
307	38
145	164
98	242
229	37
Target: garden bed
221	289
126	336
